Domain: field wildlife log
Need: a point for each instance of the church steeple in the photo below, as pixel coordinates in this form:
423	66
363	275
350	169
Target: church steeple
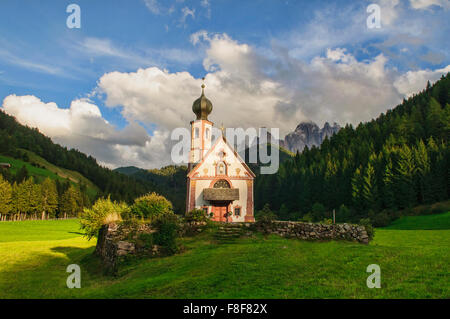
202	107
201	129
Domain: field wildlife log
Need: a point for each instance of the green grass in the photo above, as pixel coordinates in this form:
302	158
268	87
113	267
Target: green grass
48	170
39	173
37	230
437	221
414	264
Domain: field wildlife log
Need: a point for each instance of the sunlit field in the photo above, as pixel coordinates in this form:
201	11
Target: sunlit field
414	264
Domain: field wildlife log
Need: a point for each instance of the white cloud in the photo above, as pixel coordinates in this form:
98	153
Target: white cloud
187	12
424	4
250	90
101	47
131	58
196	37
414	81
30	64
388	11
153	6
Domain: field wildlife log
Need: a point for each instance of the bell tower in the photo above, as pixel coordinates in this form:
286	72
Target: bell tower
201	129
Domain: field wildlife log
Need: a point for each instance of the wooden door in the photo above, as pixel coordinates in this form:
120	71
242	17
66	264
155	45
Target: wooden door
219	212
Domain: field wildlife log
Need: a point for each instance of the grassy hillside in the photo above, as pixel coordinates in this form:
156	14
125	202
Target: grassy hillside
414	264
438	221
44	169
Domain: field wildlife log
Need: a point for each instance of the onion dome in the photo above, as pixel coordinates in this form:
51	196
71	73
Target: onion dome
202	107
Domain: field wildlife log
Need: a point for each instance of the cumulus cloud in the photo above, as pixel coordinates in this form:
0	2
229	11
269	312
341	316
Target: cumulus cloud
249	89
80	126
414	81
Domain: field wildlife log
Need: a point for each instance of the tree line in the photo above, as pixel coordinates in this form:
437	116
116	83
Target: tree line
394	162
22	198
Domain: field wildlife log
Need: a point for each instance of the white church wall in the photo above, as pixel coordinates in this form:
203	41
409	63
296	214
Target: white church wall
242	202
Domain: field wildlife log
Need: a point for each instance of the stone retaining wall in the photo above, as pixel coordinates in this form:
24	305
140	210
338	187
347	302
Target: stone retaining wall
311	231
117	241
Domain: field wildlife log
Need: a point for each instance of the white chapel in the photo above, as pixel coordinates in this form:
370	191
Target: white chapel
218	180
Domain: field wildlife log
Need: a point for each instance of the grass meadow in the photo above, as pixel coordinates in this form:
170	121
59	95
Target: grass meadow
414	264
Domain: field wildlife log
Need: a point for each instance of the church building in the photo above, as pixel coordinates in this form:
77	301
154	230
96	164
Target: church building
218	180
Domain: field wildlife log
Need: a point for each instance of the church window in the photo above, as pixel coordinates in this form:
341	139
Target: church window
237	211
196	132
221	183
207	133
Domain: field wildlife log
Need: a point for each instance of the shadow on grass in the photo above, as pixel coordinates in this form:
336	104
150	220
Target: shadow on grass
76	232
43	275
84	257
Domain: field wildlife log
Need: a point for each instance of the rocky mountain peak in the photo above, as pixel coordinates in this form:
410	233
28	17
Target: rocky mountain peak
308	134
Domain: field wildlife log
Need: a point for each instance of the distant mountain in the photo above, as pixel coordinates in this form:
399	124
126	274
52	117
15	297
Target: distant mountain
169	180
308	134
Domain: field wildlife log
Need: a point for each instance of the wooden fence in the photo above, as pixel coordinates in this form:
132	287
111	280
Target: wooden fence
23	217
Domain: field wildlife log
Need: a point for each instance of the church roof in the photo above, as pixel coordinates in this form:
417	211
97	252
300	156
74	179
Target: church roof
192	172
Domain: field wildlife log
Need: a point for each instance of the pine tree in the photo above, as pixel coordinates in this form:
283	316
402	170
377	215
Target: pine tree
22	174
404	178
5	197
23	194
438	170
35	200
71	202
435	120
49	198
422	170
388	187
330	182
369	188
357	186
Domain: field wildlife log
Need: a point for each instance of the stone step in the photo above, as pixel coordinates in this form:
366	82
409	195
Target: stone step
227	240
224	227
230	231
228	235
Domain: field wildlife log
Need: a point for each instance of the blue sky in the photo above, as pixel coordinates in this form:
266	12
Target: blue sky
295	52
